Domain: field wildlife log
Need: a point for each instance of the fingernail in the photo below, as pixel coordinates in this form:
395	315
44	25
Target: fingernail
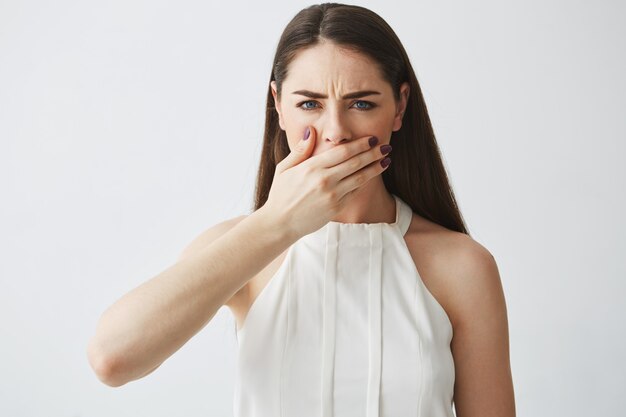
373	140
385	149
385	162
307	133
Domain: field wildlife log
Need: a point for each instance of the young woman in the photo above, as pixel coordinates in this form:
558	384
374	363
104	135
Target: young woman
356	288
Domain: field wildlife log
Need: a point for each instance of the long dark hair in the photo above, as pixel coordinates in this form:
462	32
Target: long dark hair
417	174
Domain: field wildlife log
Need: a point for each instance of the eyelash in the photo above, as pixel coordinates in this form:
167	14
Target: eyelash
371	105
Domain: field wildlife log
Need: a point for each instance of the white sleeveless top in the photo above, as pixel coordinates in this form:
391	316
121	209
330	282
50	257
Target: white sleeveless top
346	328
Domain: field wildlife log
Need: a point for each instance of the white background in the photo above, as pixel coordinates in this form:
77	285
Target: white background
128	127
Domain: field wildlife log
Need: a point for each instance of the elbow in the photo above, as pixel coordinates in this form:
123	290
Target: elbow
105	368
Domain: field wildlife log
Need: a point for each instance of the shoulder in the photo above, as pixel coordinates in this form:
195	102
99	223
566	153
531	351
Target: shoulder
464	277
208	235
462	272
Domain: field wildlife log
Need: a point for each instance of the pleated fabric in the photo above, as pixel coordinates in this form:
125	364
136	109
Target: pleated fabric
346	328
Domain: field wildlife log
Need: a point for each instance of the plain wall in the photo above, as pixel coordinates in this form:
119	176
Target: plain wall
127	128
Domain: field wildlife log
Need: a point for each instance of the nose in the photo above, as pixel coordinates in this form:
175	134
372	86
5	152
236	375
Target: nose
336	128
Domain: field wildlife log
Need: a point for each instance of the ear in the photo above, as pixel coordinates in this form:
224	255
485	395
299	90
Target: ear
277	104
401	106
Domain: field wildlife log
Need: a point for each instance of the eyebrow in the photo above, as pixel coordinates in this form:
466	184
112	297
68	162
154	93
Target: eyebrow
356	94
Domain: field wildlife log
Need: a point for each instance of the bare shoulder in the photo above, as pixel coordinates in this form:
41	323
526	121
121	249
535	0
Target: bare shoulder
207	236
463	276
458	270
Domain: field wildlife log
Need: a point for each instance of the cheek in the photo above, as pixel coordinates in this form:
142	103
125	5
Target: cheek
379	126
295	126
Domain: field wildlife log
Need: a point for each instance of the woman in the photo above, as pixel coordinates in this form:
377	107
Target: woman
333	317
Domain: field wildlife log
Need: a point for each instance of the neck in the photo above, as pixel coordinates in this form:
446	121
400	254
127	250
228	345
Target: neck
371	203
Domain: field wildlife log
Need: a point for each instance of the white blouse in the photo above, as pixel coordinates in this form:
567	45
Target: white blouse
346	328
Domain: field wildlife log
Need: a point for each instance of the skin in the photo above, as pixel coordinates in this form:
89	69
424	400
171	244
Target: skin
461	274
334	72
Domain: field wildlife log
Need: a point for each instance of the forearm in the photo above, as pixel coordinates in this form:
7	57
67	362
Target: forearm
151	322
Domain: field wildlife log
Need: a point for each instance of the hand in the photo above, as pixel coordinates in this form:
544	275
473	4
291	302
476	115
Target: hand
307	191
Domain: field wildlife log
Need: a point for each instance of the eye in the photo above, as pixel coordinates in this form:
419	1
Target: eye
367	105
305	102
370	104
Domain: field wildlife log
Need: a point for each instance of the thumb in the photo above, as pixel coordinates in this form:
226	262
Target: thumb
301	151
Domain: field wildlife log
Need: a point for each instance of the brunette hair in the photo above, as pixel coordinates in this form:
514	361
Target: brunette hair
417	174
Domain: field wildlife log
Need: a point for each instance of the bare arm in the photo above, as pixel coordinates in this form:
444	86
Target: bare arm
484	384
151	322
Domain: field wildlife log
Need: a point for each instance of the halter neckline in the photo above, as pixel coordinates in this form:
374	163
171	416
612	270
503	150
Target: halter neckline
356	231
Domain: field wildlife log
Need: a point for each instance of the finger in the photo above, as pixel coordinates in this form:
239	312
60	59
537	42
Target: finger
342	153
300	152
362	176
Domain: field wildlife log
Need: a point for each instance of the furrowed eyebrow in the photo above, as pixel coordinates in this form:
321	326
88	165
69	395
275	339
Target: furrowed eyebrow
356	94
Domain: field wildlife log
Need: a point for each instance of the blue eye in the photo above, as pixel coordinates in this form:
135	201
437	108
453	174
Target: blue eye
369	105
305	102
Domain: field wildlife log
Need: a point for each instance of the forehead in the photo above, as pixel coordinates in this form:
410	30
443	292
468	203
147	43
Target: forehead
327	65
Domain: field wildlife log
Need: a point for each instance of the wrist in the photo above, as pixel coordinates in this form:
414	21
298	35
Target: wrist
273	225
